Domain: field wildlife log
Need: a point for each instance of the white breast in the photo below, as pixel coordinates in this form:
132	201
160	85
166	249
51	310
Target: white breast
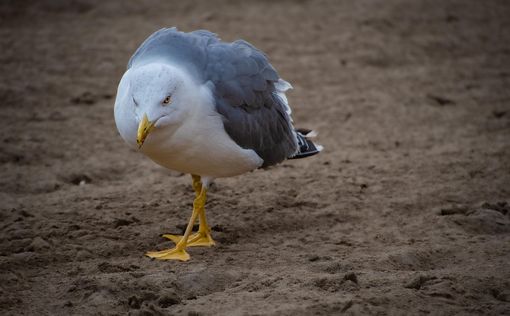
200	145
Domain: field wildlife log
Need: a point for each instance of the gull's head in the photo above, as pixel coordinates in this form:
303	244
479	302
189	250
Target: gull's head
151	97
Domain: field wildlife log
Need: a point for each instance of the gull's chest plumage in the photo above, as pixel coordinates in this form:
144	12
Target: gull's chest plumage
200	146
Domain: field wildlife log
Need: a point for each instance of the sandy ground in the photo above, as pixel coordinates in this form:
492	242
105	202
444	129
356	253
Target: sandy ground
405	212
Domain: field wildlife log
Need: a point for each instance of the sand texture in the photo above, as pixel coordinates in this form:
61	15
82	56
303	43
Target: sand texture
405	212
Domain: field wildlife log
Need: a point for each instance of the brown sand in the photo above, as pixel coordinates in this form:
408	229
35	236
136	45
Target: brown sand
403	213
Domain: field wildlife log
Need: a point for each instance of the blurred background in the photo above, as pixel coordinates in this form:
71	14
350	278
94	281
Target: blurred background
404	212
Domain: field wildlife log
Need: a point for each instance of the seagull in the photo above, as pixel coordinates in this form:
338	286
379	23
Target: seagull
195	104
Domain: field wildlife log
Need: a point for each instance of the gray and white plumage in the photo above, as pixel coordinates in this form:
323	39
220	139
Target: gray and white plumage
240	92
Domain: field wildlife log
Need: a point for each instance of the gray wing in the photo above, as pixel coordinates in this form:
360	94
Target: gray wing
254	116
189	50
242	82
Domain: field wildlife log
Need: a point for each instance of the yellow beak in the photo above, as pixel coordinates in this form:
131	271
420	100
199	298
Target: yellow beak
144	128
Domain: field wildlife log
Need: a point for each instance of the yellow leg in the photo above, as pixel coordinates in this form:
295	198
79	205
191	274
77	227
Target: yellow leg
197	184
179	251
203	236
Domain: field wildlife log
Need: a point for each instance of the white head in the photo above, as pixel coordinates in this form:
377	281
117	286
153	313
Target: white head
152	97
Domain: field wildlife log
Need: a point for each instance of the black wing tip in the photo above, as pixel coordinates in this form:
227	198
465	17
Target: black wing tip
306	147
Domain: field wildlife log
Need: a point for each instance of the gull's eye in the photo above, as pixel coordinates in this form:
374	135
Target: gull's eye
167	100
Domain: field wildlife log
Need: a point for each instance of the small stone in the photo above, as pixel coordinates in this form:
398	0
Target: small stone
351	277
498	114
442	101
38	243
313	258
26	214
418	282
168	298
457	209
122	222
502	296
134	302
